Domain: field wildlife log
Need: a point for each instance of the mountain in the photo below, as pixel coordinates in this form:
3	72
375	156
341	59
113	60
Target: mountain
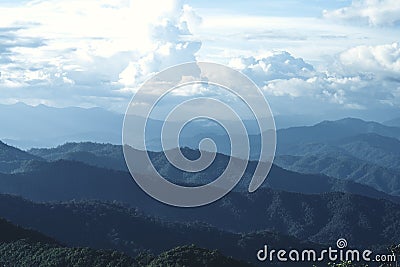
26	247
22	247
344	167
101	155
393	122
66	180
334	130
381	150
117	227
195	257
369	159
318	218
111	157
11	233
27	126
324	132
12	158
26	254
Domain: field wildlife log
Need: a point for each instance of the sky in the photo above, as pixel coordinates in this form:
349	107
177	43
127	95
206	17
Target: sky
308	57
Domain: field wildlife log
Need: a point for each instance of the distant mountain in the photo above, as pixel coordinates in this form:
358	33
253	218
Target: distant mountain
334	130
394	122
324	132
12	158
42	126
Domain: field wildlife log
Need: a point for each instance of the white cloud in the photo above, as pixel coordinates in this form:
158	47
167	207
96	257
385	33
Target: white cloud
278	65
361	78
381	60
373	12
170	48
96	52
55	50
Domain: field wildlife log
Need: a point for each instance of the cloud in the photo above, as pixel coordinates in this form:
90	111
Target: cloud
72	52
172	46
381	60
362	78
372	12
278	65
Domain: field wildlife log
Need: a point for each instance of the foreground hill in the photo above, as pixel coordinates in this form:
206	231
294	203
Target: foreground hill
23	247
195	257
112	226
10	232
26	248
317	218
24	254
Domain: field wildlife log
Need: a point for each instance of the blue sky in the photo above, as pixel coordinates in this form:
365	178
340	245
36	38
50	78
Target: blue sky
282	8
307	56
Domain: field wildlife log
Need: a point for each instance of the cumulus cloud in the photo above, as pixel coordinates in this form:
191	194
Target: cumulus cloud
72	52
362	78
381	60
373	12
278	65
170	48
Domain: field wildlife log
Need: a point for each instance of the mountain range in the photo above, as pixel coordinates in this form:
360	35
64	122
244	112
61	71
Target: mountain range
78	203
26	248
310	215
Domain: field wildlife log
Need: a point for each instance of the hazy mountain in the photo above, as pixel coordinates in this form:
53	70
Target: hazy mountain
393	122
26	126
334	130
324	132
